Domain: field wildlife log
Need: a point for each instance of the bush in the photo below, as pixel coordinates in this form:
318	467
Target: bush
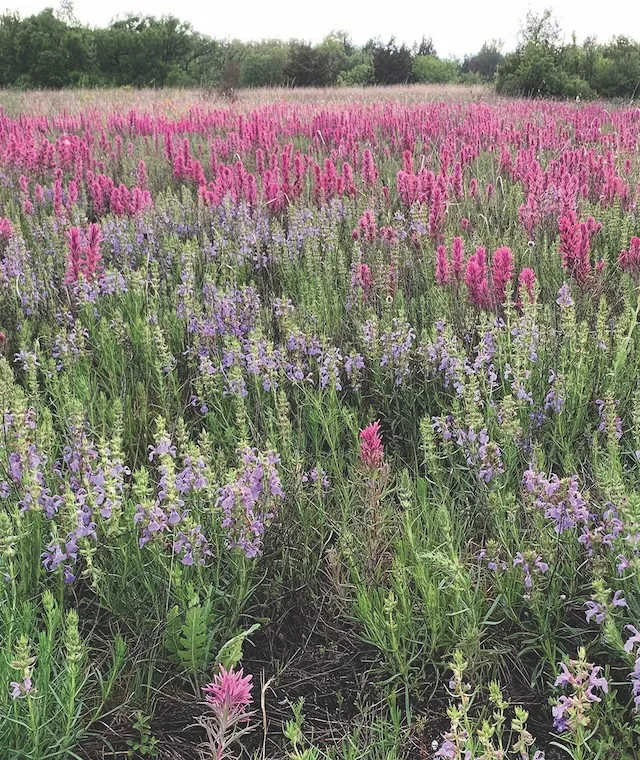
616	70
362	74
427	69
391	64
532	71
485	63
264	67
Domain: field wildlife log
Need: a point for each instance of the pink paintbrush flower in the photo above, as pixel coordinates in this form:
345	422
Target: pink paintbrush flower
527	281
371	448
6	229
457	255
75	255
628	260
476	278
501	272
442	266
229	693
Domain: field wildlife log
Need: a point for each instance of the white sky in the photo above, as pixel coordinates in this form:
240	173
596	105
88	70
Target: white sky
456	26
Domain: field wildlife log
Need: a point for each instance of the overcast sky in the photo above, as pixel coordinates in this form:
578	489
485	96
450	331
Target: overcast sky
456	26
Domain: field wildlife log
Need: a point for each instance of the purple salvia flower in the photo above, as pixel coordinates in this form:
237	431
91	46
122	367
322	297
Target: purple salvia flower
564	299
634	639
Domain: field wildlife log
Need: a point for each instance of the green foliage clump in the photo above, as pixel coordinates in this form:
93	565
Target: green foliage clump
428	69
544	66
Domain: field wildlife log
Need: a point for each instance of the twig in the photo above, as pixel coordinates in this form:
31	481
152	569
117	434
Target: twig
263	707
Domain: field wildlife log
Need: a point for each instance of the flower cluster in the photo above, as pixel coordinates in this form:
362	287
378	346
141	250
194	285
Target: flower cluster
229	694
227	718
559	500
83	259
482	454
530	562
250	500
371	448
571	712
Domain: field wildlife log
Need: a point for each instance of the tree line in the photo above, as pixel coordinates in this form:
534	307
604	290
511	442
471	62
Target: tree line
544	65
53	50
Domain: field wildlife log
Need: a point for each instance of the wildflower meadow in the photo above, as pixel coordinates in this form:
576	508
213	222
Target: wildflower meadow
320	430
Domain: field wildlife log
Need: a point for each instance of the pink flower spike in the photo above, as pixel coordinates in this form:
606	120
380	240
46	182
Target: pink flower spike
442	266
75	256
229	692
371	448
476	278
363	278
6	229
457	254
92	255
502	272
527	281
629	260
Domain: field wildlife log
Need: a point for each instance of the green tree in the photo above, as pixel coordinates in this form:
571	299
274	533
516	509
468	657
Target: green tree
305	66
361	74
486	61
143	50
616	71
264	64
51	54
540	29
427	69
391	64
536	68
334	52
425	47
9	68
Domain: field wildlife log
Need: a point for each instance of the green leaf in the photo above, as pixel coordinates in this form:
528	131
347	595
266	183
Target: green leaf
230	653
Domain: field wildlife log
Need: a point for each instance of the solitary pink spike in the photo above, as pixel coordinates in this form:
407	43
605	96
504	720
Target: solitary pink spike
527	281
6	228
502	272
476	278
371	448
457	254
93	257
75	257
229	692
363	278
628	260
442	266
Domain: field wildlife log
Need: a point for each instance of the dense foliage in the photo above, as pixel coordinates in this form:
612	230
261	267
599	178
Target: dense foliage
359	380
543	65
52	50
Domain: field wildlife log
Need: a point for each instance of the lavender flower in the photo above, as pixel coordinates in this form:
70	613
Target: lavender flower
635	682
20	689
595	610
481	453
530	562
249	502
633	640
560	500
610	423
396	349
316	476
582	678
564	299
600	533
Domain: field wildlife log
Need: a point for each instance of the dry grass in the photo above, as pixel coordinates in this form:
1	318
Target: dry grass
176	101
